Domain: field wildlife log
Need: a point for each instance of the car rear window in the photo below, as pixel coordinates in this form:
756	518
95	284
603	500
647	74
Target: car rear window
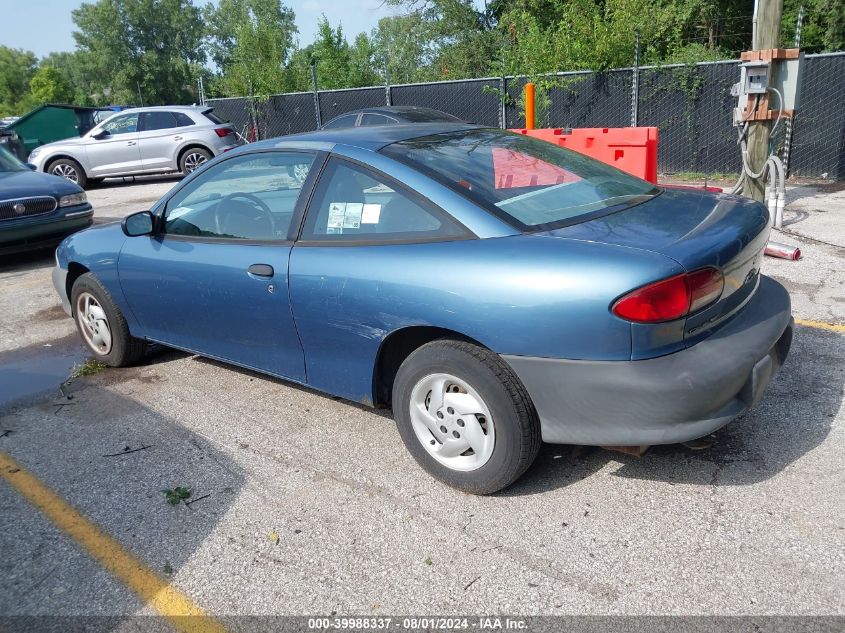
530	183
213	118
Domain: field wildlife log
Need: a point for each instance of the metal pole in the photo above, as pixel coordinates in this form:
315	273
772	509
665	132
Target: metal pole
529	106
787	139
316	94
503	90
387	96
635	83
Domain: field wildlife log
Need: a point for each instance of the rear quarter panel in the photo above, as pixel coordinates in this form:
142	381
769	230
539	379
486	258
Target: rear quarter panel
519	295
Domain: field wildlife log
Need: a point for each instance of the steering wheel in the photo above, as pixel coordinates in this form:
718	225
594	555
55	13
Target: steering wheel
259	204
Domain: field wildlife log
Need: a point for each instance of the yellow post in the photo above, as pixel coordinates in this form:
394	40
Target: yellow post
529	106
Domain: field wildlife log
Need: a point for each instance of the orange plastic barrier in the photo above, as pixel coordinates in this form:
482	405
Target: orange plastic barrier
631	149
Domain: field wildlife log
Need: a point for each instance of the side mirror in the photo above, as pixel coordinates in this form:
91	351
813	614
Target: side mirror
101	134
137	224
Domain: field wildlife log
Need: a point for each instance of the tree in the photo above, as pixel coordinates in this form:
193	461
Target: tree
17	67
404	42
144	51
254	66
331	53
226	22
364	63
460	38
48	85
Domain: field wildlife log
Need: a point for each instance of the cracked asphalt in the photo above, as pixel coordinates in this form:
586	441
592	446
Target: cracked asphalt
305	504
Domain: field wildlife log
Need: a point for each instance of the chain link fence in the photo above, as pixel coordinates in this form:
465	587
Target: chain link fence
691	105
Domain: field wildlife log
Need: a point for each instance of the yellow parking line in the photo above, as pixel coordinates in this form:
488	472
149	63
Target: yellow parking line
821	325
183	614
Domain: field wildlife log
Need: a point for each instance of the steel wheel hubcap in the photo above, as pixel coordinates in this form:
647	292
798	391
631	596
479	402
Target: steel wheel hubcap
452	422
194	160
67	172
93	323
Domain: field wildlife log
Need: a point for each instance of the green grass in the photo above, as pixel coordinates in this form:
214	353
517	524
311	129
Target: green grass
88	368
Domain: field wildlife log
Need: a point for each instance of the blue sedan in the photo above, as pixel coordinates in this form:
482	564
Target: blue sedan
493	289
37	210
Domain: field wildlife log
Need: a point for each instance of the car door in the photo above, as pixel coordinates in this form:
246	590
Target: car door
213	278
112	148
354	270
158	138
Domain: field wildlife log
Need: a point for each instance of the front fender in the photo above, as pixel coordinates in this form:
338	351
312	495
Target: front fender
98	250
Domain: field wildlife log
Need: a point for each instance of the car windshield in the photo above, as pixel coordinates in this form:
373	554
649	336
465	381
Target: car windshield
530	183
9	162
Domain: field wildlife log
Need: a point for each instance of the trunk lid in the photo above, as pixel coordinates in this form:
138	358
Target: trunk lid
696	229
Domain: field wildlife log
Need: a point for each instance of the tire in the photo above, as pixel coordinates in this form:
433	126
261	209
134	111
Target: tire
192	158
92	308
69	170
478	381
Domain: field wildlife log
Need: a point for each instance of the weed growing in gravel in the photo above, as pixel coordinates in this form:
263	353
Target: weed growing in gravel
176	495
88	368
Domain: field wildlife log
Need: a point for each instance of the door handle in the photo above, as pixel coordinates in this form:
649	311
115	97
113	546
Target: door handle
132	143
260	270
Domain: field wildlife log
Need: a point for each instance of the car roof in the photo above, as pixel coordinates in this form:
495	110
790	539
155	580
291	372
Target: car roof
174	108
371	138
400	110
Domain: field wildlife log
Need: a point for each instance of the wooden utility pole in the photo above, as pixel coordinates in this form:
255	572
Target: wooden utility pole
766	35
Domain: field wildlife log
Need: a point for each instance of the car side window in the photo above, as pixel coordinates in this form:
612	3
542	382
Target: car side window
183	120
352	203
341	121
157	121
124	124
375	119
248	197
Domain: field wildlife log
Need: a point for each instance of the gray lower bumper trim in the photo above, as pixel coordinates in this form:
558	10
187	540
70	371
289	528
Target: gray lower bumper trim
664	400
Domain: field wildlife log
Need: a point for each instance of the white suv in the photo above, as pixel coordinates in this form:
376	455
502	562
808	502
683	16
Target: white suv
139	141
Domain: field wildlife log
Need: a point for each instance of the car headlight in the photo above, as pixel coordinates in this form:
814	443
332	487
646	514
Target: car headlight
73	199
33	154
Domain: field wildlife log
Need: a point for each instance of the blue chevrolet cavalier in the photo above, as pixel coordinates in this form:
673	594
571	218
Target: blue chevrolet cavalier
494	289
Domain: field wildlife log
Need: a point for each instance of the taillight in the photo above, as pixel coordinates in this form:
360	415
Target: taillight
671	298
223	131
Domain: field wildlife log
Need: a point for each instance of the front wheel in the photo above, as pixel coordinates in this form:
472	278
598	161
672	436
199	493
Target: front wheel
102	325
69	170
465	416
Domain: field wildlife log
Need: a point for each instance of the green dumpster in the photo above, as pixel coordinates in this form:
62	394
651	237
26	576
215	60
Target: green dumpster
55	122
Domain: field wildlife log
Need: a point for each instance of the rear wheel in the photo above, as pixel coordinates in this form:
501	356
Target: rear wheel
193	159
69	170
465	416
102	325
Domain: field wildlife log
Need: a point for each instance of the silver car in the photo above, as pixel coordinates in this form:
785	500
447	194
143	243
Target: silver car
139	141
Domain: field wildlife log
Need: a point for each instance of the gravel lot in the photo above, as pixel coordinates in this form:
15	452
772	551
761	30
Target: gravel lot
305	504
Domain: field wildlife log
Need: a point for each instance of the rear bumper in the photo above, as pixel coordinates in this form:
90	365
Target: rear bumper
673	398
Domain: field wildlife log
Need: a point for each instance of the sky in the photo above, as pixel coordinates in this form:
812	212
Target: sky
43	26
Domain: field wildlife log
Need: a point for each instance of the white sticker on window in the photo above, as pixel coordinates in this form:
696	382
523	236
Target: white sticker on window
371	213
337	212
352	219
333	231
